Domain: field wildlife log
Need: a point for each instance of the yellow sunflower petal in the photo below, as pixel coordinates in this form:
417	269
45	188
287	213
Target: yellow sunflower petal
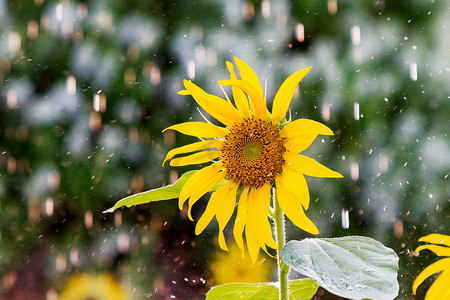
198	179
285	93
239	224
440	265
263	214
293	208
308	166
196	158
439	289
268	232
193	147
257	224
300	134
260	202
257	103
224	214
250	228
213	205
239	97
199	129
217	107
299	143
252	245
248	75
296	183
436	238
207	184
304	127
437	249
184	93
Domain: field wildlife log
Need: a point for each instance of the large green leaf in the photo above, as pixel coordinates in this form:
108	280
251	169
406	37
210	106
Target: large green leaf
353	267
301	289
162	193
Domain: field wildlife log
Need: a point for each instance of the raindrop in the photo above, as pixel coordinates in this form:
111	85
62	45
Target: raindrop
356	35
49	206
300	32
59	12
61	263
265	9
155	75
413	71
74	257
52	294
71	85
354	171
99	103
332	7
88	219
123	243
191	69
356	110
33	29
326	112
11	99
14	42
345	219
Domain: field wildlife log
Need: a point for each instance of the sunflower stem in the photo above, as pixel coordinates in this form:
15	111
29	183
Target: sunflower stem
283	269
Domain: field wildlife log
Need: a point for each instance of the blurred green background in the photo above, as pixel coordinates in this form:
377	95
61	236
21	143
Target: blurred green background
86	87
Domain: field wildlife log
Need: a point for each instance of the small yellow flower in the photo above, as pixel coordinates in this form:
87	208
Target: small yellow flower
440	288
231	267
254	150
95	287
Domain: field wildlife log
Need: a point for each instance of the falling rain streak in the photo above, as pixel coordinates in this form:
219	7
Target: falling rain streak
191	69
413	71
354	171
332	7
345	219
326	112
355	34
300	32
356	111
265	8
71	85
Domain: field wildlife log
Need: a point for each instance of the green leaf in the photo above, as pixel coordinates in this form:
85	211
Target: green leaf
353	267
298	289
163	193
302	289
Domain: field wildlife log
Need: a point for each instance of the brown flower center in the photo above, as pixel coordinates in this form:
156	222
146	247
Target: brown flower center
252	153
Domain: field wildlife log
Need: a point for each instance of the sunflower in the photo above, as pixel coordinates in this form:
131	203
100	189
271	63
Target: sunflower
254	151
95	287
231	267
439	289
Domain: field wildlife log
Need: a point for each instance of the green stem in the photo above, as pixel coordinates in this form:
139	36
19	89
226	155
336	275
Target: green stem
283	269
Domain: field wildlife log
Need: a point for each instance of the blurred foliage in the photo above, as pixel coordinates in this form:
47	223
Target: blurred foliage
86	87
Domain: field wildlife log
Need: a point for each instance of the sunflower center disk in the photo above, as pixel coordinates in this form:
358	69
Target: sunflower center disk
252	153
